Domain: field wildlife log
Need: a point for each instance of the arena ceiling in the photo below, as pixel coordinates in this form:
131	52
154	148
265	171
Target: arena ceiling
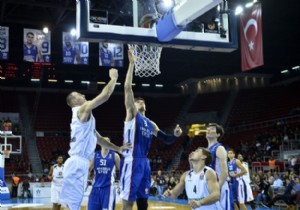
281	42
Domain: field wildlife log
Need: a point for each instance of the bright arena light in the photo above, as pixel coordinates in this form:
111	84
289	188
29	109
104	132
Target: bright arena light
73	32
46	30
238	10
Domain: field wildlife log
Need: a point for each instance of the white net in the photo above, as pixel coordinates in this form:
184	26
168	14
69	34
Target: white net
147	59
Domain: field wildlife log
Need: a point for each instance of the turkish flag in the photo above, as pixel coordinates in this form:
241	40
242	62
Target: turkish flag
251	38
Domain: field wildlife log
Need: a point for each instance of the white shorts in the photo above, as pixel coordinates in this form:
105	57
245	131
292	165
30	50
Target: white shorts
226	200
75	181
245	193
55	193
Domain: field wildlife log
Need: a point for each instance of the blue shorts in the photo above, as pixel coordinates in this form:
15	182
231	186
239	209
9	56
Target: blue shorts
75	181
102	198
135	178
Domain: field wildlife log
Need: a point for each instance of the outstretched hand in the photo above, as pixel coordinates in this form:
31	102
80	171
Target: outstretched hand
131	57
124	147
177	131
113	73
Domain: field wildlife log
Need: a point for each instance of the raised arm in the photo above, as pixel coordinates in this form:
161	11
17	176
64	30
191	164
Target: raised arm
129	97
222	156
88	106
103	142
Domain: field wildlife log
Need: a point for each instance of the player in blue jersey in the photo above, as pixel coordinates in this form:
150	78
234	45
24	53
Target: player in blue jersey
104	165
236	171
106	56
200	183
84	138
135	176
219	163
71	54
31	52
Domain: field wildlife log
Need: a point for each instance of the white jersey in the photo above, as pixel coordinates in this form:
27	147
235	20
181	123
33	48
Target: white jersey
83	136
246	177
57	175
196	188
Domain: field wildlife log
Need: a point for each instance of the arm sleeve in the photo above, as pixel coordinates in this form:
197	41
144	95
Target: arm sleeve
168	139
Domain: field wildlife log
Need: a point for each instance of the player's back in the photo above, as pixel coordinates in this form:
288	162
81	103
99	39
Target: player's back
83	136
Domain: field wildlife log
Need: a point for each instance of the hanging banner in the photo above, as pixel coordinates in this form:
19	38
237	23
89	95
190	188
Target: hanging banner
37	45
74	52
251	38
4	43
111	54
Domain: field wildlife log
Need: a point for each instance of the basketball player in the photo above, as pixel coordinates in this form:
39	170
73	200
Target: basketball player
219	163
31	51
56	175
236	172
200	183
135	173
84	138
71	54
103	194
247	179
106	56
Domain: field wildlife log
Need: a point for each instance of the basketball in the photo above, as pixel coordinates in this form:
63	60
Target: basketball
147	21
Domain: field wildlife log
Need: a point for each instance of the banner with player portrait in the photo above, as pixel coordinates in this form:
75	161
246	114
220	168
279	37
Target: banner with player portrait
74	52
111	54
4	45
37	45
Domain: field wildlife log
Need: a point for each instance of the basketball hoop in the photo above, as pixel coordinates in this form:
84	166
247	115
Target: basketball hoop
147	59
6	153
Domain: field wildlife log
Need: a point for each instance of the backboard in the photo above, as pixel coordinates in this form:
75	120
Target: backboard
121	26
11	142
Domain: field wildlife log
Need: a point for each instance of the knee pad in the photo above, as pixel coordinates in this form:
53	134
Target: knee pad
142	203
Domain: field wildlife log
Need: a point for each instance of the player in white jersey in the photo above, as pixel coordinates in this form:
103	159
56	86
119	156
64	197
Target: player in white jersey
135	176
219	163
84	138
56	175
200	183
247	179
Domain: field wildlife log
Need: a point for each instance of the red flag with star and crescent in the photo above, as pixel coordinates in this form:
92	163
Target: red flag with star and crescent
251	38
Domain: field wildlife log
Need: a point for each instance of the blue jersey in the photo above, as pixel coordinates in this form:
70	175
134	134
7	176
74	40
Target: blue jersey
138	132
232	168
30	53
106	57
215	164
69	55
104	168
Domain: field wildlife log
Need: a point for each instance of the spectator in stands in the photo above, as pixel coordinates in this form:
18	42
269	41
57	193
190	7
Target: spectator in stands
277	182
262	188
272	164
290	193
172	183
160	183
15	185
26	188
200	182
138	130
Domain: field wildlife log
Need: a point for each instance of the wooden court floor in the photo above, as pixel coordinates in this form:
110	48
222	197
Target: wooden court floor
153	205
